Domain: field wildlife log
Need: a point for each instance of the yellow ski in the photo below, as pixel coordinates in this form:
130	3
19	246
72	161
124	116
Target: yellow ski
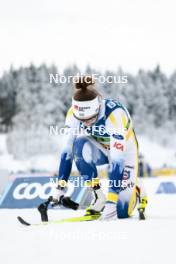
67	220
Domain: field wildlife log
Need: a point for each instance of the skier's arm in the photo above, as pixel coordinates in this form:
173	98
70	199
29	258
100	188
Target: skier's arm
66	159
66	153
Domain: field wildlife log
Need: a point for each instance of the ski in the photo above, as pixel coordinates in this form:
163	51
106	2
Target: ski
67	220
22	221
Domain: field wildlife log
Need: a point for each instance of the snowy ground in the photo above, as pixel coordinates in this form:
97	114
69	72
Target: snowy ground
121	241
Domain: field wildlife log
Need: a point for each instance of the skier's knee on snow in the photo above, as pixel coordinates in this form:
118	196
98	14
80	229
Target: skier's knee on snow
126	203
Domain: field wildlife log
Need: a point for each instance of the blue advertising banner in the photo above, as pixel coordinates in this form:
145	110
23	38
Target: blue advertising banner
29	192
166	188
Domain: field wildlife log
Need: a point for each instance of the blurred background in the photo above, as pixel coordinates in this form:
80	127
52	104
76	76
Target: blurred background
132	38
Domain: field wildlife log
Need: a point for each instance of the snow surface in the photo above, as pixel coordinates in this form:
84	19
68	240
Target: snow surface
121	241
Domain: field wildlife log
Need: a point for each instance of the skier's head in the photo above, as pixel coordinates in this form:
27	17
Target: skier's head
86	100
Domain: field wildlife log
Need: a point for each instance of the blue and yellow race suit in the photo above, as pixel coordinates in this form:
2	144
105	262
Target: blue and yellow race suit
111	140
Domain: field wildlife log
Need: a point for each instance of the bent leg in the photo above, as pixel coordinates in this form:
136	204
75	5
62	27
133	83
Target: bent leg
87	156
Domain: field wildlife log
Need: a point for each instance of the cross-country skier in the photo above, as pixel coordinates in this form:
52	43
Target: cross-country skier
109	138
